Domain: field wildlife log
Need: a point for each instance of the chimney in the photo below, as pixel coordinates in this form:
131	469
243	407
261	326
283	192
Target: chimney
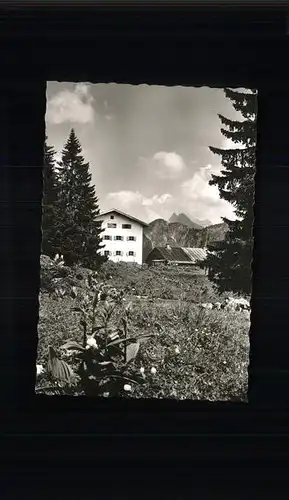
168	247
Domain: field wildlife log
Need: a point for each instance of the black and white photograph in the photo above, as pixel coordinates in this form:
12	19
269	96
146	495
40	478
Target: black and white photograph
147	241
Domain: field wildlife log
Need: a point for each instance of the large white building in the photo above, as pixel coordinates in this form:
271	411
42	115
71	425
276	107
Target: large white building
122	236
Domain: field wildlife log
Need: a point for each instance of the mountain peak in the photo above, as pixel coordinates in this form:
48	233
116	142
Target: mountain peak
185	220
182	218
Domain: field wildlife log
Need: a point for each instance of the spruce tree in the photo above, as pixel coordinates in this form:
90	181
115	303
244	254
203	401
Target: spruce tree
79	234
229	264
49	203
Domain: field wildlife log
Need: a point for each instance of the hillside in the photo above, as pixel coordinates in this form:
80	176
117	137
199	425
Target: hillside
159	233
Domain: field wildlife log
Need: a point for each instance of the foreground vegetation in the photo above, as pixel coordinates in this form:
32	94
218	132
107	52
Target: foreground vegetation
138	332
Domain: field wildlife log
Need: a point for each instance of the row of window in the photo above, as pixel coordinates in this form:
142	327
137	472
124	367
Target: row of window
113	225
119	238
119	253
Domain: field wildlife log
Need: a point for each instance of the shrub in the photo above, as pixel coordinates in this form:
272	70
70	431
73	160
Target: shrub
102	364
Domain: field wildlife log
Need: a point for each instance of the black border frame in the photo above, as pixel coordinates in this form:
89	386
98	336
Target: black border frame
231	46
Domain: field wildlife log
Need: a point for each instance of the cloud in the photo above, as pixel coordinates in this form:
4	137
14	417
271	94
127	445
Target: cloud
202	200
139	205
168	165
71	106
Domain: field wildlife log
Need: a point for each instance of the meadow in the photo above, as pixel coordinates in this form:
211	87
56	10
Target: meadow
138	332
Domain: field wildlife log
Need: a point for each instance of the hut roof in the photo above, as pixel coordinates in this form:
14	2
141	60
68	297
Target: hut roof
181	254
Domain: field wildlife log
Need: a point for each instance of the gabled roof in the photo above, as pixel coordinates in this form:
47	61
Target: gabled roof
173	254
181	254
196	254
105	212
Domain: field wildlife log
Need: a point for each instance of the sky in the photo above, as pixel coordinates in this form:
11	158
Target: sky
148	146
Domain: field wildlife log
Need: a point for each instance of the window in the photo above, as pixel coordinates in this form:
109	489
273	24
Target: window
112	216
126	226
107	253
131	238
107	237
118	238
109	224
131	254
118	252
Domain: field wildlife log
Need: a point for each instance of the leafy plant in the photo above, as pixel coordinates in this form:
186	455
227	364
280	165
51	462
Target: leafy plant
104	361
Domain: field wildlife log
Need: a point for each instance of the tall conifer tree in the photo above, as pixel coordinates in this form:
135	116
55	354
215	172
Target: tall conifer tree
229	266
79	233
49	202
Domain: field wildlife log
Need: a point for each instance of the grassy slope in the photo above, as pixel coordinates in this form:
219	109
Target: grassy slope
213	346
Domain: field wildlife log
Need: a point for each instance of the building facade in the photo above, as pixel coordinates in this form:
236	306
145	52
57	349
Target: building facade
122	236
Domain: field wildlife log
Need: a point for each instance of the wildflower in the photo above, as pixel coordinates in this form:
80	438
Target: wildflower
39	369
153	370
196	329
142	370
127	387
105	394
91	342
177	350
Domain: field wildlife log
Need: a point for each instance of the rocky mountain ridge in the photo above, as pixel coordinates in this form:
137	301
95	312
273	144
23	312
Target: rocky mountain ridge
189	221
160	232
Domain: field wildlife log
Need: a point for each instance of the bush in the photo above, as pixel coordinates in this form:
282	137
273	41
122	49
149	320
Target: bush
102	362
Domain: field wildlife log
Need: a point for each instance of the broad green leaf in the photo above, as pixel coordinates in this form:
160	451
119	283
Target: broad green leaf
131	351
58	368
72	345
129	339
120	341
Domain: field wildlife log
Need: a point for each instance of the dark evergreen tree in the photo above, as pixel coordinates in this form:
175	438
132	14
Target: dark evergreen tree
229	264
79	234
49	203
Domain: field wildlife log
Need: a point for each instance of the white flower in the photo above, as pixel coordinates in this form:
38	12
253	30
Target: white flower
142	370
39	369
91	342
127	387
153	370
105	394
177	350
